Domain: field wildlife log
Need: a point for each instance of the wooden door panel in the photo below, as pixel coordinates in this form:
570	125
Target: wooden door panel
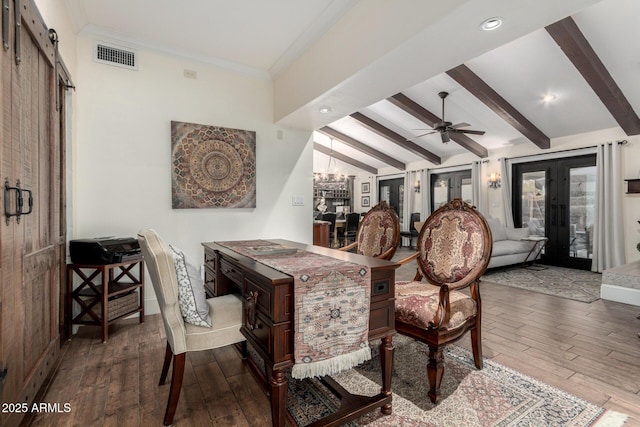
31	249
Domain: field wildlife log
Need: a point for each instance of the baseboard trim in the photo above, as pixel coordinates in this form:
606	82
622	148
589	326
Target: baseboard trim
620	294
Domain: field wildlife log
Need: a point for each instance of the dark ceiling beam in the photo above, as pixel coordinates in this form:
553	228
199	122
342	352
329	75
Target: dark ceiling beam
576	47
362	147
481	90
419	112
326	150
396	138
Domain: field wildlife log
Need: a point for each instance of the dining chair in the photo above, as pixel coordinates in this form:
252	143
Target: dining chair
453	251
412	233
352	221
331	218
182	337
378	233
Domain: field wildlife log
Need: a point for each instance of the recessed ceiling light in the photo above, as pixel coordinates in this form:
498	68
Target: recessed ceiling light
491	23
325	109
548	97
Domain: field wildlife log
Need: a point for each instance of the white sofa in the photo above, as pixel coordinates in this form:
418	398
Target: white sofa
508	246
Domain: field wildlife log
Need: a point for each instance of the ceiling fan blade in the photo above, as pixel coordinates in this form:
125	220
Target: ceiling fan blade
419	136
460	125
473	132
445	137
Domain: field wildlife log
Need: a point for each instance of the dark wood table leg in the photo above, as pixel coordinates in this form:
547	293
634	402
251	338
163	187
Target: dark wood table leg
386	362
278	398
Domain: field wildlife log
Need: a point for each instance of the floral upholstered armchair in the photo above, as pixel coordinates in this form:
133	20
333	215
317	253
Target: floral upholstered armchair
378	233
454	249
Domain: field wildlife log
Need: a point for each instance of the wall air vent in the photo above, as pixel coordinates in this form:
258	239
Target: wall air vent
114	55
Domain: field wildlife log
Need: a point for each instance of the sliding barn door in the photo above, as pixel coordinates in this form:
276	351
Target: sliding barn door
32	229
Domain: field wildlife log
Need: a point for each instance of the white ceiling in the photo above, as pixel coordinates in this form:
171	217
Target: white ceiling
266	37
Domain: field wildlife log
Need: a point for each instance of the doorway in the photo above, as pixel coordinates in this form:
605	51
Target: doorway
392	191
556	198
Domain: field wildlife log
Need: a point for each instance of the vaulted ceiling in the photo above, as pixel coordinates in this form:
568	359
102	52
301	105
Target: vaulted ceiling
589	61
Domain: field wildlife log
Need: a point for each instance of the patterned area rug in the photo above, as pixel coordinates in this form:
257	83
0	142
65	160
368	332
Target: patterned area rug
494	396
568	283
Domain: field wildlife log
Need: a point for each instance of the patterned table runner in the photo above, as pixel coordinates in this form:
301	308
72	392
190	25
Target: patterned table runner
331	306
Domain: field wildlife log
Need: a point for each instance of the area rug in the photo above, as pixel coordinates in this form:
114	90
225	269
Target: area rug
493	396
568	283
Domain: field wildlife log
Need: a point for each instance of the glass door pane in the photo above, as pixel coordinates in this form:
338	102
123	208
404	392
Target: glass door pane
466	190
440	193
581	211
533	202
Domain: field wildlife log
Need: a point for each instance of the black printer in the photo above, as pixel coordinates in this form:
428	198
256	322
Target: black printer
104	250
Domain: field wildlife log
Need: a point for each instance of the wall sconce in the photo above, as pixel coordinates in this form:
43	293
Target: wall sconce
494	180
416	186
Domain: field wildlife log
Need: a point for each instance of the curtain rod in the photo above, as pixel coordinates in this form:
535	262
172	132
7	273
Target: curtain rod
621	142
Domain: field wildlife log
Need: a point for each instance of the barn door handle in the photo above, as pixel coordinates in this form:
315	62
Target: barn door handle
5	24
29	201
19	201
563	211
18	23
7	201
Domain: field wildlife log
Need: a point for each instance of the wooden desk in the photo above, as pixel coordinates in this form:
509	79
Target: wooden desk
271	334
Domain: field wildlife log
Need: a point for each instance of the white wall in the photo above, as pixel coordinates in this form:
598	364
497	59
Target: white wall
122	156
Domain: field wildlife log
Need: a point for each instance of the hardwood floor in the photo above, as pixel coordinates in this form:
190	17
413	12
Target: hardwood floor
590	350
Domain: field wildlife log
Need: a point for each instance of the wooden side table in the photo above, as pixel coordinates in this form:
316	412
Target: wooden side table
108	292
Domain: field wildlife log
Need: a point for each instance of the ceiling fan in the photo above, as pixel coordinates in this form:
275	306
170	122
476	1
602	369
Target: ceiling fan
445	127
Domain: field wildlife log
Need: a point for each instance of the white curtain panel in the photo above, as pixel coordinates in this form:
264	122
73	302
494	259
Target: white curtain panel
505	172
408	205
425	194
608	230
479	196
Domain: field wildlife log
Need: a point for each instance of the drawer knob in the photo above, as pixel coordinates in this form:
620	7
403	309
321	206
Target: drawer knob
252	300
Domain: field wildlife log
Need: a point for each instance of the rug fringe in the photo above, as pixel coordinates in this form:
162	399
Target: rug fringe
331	366
611	419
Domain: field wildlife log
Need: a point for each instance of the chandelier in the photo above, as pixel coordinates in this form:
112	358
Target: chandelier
330	174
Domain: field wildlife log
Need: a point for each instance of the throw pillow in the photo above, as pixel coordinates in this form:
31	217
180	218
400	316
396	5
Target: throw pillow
497	229
517	233
191	295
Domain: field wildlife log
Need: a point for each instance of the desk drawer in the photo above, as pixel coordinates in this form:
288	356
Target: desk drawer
210	259
232	272
274	301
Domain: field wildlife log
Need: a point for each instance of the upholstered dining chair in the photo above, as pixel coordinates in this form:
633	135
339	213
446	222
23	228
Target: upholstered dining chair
225	312
453	251
378	233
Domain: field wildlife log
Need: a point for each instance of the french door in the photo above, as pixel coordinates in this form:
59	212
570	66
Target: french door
450	185
556	198
392	191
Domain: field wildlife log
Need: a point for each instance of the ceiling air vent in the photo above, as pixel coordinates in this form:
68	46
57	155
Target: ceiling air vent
113	55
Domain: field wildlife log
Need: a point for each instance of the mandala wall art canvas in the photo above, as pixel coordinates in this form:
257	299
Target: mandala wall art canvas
212	167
